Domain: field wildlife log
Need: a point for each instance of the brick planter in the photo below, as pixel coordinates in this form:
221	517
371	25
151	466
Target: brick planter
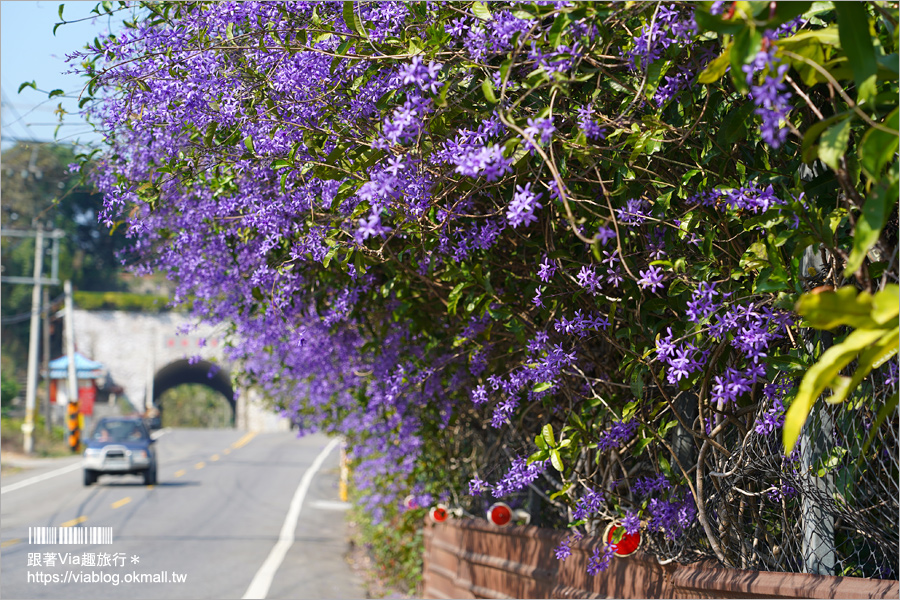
473	559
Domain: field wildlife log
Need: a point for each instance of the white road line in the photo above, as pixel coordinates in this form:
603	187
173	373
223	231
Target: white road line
330	505
259	587
39	478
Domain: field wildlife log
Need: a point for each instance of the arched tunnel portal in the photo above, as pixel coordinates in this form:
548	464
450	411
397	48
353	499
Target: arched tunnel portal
201	372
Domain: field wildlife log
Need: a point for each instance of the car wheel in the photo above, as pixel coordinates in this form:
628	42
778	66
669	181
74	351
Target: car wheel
150	476
89	477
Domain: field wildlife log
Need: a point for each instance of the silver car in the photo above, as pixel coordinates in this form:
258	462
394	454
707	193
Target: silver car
120	446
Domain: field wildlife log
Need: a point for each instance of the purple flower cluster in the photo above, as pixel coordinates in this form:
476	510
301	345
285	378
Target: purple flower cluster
618	434
589	504
645	486
586	122
667	28
424	76
671	517
651	279
773	418
631	522
519	476
770	96
563	551
600	559
521	209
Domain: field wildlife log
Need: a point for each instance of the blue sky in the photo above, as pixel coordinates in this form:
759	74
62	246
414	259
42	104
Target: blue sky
29	51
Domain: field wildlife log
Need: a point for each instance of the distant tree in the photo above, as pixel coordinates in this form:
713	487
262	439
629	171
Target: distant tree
38	189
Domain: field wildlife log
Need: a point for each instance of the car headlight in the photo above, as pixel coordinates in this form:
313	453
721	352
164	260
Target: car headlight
142	453
92	451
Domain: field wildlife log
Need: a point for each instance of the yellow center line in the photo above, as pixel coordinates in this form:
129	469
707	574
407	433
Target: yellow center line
180	473
121	502
243	441
8	543
214	457
200	465
226	451
74	522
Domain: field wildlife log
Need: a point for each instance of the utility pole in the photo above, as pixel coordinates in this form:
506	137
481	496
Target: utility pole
31	385
48	407
74	432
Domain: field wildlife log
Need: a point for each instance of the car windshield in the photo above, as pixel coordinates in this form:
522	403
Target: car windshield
118	431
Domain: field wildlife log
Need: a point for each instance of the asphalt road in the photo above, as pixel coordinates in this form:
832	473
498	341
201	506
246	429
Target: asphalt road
219	516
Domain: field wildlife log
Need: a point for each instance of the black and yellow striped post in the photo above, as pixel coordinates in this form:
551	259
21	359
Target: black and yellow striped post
74	429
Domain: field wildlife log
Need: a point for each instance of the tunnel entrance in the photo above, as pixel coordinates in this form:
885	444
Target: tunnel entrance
201	373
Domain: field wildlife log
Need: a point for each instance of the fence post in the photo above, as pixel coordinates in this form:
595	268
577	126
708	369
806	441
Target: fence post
818	525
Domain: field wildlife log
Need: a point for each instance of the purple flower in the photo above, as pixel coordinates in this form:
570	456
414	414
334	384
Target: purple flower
521	210
618	434
541	127
479	395
546	270
770	96
370	227
563	551
651	278
476	486
605	234
600	561
631	523
588	505
519	476
649	485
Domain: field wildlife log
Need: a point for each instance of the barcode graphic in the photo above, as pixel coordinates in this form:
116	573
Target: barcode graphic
70	535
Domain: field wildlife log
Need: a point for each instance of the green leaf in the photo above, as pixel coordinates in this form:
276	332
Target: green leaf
874	216
487	88
809	146
878	147
554	36
846	306
542	386
856	39
746	45
248	144
61	7
26	84
716	68
785	11
734	125
539	455
55	93
833	144
454	297
665	467
821	375
886	304
480	10
210	132
710	22
547	435
350	18
637	385
556	460
540	442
